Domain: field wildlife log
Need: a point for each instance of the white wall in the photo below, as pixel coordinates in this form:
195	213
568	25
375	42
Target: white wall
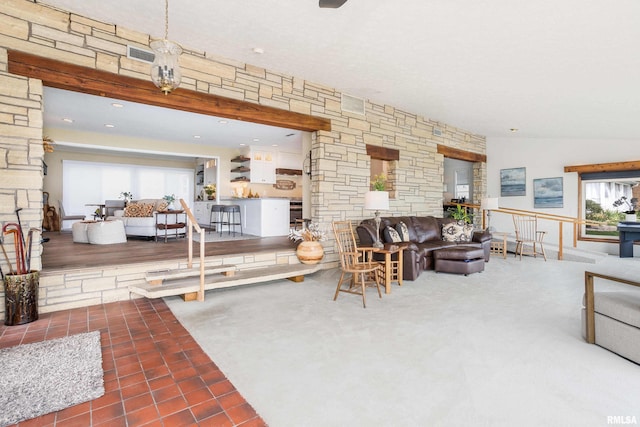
546	158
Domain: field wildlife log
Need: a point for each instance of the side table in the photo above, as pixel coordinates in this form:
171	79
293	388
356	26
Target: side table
499	245
162	223
392	269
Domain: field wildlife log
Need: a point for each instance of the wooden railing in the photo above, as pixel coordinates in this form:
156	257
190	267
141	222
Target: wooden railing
192	224
561	219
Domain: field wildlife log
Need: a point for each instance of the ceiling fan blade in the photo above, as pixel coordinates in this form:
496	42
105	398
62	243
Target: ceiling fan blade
333	4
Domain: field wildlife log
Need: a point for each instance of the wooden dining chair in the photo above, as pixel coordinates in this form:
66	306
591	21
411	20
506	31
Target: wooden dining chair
528	235
358	267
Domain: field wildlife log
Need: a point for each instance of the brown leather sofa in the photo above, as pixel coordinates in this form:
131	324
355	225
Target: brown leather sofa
425	236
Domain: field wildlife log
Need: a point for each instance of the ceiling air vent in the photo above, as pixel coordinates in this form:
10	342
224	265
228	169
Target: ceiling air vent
352	104
140	54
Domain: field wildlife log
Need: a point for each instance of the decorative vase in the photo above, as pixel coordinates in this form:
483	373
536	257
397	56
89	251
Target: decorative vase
310	252
211	197
21	298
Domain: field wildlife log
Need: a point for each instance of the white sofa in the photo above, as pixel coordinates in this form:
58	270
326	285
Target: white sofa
146	226
612	319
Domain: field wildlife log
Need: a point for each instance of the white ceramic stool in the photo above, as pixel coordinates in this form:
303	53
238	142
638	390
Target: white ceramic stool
79	232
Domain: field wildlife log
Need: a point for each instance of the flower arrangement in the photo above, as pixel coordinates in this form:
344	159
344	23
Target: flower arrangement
127	196
631	204
311	233
169	198
379	182
210	189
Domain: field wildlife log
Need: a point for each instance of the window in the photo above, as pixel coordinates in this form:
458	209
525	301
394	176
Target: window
89	182
606	197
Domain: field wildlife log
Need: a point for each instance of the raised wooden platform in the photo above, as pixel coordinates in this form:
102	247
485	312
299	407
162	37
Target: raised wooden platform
190	285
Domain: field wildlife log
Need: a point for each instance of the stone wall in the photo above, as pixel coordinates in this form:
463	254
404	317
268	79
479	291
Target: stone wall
341	165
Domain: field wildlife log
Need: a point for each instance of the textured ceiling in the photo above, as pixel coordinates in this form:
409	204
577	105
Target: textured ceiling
555	69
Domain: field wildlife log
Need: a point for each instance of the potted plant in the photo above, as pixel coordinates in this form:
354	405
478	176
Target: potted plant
309	250
460	214
210	189
379	182
631	205
170	199
127	196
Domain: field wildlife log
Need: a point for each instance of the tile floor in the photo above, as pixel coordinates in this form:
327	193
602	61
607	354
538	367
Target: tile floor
155	374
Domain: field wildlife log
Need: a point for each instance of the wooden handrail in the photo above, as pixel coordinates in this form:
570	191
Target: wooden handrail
542	215
191	224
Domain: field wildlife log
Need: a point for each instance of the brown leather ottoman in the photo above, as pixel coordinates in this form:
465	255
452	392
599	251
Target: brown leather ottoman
459	260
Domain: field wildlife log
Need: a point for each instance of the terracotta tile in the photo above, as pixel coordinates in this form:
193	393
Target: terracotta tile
142	416
230	400
213	377
254	422
82	420
109	398
222	387
181	372
206	409
182	418
43	420
218	420
114	422
241	413
166	393
138	402
107	412
132	379
190	384
162	382
134	390
156	372
198	396
74	411
172	406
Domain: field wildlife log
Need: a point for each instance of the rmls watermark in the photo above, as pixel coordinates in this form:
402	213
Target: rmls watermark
622	419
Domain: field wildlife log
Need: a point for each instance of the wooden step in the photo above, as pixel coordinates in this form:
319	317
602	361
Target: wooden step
188	286
157	277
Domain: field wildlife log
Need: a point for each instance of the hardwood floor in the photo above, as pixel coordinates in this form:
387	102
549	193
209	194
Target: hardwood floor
61	252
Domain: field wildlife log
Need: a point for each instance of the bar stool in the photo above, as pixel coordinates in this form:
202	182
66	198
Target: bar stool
217	220
233	218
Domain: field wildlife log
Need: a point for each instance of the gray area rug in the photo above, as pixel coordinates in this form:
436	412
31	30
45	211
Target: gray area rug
43	377
214	236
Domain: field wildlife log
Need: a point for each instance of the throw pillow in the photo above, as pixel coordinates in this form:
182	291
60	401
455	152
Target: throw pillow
138	210
391	235
454	232
163	206
403	231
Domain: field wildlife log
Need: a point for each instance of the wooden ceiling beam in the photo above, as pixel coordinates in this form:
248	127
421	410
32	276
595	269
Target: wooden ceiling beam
454	153
605	167
62	75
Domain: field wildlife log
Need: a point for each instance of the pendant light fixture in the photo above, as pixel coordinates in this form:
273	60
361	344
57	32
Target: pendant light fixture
165	70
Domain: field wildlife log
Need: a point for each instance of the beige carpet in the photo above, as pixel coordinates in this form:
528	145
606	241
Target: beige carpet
500	348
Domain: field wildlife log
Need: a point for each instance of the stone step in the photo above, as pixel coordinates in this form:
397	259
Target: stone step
157	277
188	286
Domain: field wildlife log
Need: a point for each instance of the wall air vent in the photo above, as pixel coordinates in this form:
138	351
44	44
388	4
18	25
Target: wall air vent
352	104
140	54
437	132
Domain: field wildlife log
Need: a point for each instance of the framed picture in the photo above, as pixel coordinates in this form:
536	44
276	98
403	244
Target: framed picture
547	193
513	182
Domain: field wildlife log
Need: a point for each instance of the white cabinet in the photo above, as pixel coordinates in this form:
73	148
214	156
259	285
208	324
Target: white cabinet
201	210
263	166
288	160
264	217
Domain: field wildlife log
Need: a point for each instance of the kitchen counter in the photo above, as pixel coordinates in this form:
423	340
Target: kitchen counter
265	216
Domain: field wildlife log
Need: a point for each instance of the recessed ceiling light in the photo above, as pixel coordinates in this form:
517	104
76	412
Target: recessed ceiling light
242	145
258	50
116	105
109	126
274	145
256	139
196	136
223	122
67	120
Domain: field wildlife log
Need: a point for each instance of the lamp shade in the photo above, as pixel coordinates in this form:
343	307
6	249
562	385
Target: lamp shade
490	203
376	200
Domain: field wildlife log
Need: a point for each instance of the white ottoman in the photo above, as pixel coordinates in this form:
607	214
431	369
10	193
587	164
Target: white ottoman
79	232
106	232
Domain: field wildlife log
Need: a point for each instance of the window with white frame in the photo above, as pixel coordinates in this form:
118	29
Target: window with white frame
86	183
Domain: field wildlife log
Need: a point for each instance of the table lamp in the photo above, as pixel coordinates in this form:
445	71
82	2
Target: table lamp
377	200
487	204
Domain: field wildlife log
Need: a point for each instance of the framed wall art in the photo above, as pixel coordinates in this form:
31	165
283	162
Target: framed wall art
513	182
547	193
